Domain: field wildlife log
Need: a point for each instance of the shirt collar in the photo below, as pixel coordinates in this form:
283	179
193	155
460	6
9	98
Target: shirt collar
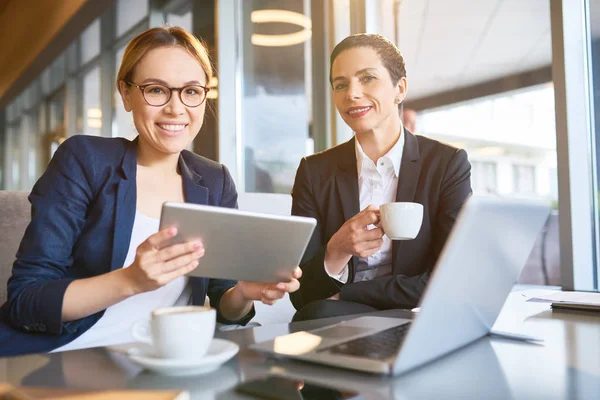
394	155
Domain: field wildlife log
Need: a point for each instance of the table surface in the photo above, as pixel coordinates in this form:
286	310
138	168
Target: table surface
567	365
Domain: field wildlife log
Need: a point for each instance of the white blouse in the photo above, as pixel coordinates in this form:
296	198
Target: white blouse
377	184
115	325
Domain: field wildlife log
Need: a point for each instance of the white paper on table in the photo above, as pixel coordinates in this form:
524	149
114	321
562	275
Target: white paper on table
569	297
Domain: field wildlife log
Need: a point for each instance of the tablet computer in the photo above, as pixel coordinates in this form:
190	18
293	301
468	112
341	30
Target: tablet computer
240	245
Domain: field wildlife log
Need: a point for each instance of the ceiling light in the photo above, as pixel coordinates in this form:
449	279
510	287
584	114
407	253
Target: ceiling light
281	16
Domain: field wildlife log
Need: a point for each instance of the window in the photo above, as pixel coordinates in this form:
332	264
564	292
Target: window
522	148
92	113
129	13
594	94
57	103
90	42
58	72
483	177
492	94
33	160
31	96
15	156
276	93
123	124
45	81
524	179
181	17
57	111
11	112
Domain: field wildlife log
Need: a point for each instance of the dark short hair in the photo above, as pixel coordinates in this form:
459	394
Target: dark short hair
390	55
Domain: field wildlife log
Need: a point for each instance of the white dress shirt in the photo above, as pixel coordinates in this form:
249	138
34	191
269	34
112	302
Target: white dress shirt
377	184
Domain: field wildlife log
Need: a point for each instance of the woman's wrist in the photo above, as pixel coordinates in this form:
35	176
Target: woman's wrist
335	261
234	304
238	295
125	282
87	296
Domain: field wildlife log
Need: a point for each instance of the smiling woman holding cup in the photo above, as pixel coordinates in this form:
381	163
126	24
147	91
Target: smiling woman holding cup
92	260
385	183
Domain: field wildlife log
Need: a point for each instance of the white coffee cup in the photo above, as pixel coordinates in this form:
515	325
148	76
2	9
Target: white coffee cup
178	332
401	220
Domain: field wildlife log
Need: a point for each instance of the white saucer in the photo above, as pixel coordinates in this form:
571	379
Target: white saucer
219	352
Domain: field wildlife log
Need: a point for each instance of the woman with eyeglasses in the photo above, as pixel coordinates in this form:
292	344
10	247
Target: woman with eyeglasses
92	261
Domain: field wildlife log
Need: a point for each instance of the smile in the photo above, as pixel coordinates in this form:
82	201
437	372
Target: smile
356	112
172	128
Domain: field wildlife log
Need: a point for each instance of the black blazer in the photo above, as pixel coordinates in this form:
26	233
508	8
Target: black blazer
434	174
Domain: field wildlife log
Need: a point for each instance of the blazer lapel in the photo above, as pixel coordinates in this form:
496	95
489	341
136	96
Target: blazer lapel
410	169
125	204
346	181
194	190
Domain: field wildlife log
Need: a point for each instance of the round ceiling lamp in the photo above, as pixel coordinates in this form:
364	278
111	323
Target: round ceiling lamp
281	16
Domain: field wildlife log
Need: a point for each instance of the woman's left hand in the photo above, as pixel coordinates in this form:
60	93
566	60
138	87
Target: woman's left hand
269	293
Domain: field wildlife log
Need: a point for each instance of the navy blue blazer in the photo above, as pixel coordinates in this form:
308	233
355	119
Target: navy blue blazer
82	214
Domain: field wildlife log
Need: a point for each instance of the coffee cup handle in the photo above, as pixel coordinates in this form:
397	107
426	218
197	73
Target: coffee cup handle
140	332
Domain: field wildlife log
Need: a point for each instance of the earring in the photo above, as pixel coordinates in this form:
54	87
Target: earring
398	100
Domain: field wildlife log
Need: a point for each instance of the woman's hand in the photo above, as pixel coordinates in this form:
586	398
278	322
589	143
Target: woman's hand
269	293
354	238
156	265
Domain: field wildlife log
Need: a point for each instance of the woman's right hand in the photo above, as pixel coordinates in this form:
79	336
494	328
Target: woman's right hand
156	265
354	238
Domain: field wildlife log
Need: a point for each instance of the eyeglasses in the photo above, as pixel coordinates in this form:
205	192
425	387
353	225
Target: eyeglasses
158	95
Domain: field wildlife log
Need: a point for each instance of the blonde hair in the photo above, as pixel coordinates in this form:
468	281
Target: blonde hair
163	37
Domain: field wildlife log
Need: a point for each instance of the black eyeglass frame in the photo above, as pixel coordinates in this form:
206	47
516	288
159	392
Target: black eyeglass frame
178	89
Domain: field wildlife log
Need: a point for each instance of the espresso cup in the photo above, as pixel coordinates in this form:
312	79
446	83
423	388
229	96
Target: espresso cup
401	220
178	332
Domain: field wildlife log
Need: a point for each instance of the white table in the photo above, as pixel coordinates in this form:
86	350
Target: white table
566	366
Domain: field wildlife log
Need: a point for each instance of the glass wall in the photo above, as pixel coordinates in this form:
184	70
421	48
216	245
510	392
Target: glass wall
67	98
513	156
276	89
594	87
90	42
92	112
472	83
129	13
70	96
181	16
276	92
123	125
481	87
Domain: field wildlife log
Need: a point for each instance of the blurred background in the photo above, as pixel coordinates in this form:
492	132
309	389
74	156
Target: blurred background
514	82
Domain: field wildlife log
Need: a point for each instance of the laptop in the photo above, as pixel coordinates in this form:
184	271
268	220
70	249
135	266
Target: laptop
482	259
240	245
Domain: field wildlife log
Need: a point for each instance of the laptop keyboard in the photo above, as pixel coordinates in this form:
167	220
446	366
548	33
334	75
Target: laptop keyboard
378	346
